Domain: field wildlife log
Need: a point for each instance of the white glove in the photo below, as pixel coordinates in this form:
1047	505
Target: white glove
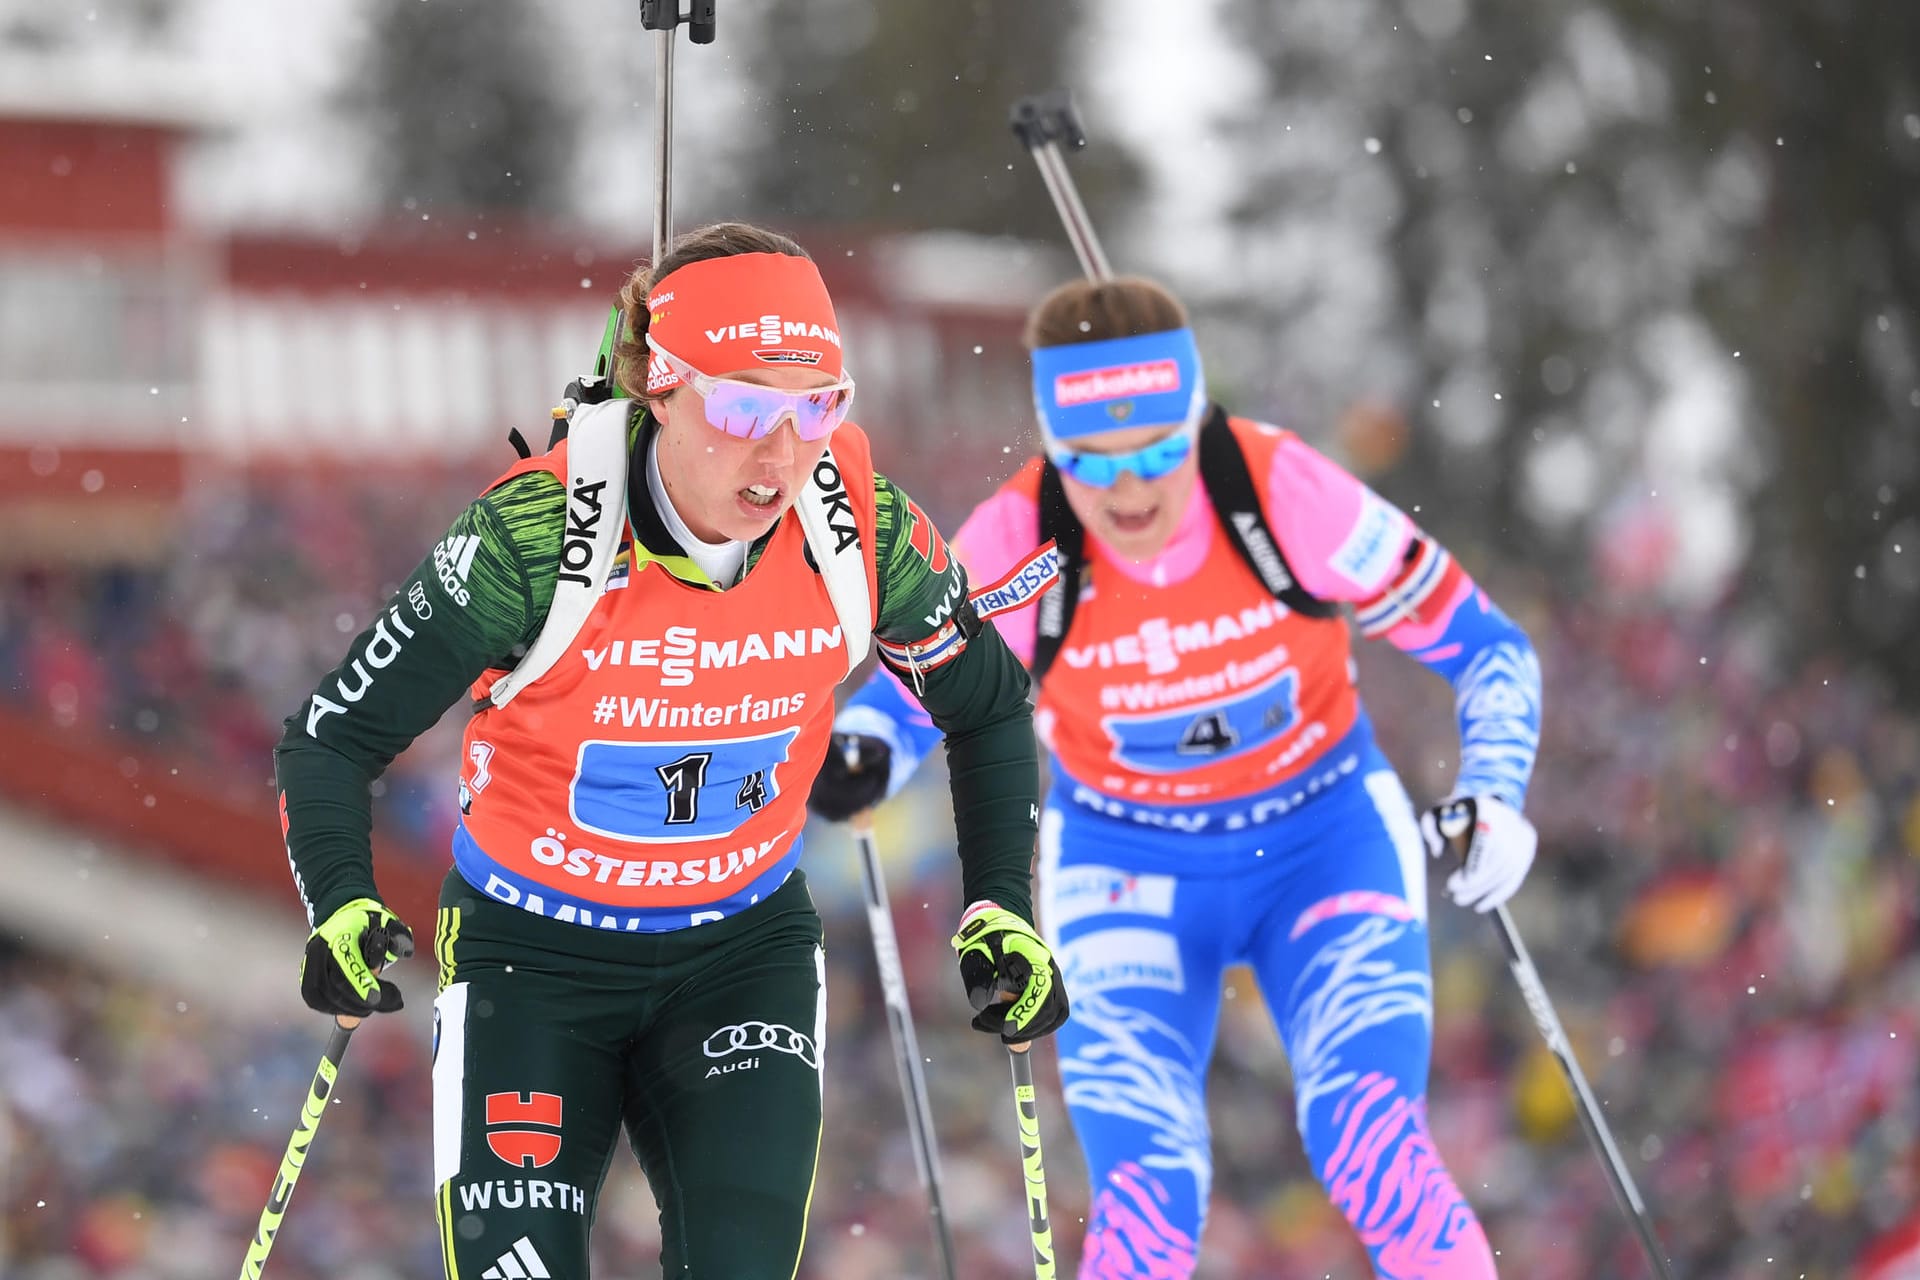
1499	843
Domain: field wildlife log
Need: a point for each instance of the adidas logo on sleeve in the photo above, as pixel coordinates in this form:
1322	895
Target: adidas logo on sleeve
452	560
518	1263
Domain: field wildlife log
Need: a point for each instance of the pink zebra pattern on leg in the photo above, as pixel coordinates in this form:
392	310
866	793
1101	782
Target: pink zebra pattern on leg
1129	1238
1391	1184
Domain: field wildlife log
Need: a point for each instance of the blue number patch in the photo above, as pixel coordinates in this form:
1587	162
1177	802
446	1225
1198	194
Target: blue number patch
1173	741
671	791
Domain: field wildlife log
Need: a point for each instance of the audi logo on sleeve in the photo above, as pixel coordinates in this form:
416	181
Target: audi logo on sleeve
753	1038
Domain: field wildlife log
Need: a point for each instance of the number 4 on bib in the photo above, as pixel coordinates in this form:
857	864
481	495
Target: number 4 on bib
1208	735
1174	741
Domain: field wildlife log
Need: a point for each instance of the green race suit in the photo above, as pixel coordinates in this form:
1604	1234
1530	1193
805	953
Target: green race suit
703	1044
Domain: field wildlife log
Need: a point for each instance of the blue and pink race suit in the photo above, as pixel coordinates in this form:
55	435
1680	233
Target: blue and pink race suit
1218	799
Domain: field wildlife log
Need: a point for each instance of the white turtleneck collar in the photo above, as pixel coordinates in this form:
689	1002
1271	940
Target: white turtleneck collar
721	561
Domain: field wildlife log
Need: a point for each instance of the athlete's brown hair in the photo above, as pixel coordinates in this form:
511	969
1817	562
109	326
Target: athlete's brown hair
1090	311
720	240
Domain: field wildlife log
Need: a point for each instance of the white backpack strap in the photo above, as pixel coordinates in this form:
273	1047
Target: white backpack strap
596	516
833	535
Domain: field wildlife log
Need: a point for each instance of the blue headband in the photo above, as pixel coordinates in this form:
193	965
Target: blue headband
1153	379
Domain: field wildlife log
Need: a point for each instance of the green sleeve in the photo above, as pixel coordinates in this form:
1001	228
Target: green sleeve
472	605
979	700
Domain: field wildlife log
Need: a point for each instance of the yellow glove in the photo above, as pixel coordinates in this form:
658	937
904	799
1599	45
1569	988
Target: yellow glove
1001	956
340	972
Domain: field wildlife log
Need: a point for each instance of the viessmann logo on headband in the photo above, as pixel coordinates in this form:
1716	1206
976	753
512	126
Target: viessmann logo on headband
1116	382
770	330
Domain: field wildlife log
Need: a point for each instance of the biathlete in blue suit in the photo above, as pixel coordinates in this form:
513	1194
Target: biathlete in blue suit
1217	795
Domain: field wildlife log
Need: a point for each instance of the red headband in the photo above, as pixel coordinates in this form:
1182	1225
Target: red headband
722	315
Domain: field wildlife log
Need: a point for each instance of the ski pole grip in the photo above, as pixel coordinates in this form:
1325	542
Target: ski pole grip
665	15
1040	118
1455	823
700	22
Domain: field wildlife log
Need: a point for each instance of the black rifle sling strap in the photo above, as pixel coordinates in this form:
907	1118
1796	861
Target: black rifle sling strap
1223	469
1055	619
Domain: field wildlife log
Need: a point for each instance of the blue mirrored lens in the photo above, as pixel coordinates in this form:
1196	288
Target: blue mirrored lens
1102	470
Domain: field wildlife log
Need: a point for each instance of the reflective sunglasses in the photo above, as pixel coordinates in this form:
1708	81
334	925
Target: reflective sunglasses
1102	470
750	411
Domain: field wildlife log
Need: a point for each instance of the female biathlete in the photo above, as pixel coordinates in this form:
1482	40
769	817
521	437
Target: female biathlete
1217	796
650	620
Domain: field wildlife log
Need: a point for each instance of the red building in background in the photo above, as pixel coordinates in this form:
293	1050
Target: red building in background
133	345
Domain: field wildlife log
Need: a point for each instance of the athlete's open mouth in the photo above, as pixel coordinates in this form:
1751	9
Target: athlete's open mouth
761	495
1133	521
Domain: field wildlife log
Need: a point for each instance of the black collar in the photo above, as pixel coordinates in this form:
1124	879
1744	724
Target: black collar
649	527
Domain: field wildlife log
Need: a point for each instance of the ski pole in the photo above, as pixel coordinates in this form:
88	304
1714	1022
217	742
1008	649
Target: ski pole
1591	1119
1453	827
297	1147
906	1047
661	17
1039	1226
1045	122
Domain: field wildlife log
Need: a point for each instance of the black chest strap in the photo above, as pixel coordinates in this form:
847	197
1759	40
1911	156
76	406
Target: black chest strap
1058	523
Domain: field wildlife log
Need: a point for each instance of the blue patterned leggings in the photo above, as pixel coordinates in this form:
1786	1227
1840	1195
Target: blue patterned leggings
1328	906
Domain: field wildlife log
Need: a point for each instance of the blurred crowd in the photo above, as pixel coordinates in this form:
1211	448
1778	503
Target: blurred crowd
203	652
1730	845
